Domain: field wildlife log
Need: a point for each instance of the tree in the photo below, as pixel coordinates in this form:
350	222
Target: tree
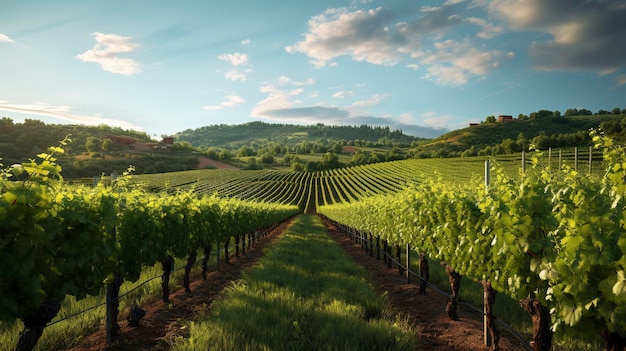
490	119
106	144
602	112
509	146
267	159
93	144
571	112
330	160
245	151
616	111
252	164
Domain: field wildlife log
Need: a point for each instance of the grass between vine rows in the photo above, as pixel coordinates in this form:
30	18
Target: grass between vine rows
304	294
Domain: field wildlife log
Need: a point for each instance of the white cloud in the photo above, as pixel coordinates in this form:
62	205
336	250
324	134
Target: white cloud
229	101
236	75
620	80
245	41
235	59
342	94
453	63
106	52
489	29
413	66
370	36
64	113
309	81
5	39
374	100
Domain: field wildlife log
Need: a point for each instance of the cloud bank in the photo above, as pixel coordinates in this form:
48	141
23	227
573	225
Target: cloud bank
583	35
63	113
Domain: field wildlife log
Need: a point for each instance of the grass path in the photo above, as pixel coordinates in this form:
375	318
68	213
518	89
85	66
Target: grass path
306	293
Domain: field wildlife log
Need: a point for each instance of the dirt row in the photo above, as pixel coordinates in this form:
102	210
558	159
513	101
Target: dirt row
426	313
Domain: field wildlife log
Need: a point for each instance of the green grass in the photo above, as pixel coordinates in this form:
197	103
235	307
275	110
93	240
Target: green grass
304	294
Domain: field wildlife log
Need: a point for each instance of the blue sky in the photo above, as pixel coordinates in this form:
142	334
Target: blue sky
425	67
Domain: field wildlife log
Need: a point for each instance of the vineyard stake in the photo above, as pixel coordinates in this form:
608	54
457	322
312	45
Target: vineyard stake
408	261
590	157
487	174
549	157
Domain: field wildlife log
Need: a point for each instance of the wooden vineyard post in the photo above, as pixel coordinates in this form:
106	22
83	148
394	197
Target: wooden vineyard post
523	161
408	262
112	308
487	174
549	157
590	158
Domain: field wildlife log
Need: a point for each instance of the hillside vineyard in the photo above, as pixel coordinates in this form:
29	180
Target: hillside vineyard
552	238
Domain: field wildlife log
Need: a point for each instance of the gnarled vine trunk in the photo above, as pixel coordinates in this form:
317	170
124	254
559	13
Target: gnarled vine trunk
191	260
490	319
455	280
167	264
35	323
542	335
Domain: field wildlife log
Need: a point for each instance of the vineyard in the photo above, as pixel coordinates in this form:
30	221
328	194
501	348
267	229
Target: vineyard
545	230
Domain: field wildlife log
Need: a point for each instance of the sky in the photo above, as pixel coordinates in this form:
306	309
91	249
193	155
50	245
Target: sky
425	67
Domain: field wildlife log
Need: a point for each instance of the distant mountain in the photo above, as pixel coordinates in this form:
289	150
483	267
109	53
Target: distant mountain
233	136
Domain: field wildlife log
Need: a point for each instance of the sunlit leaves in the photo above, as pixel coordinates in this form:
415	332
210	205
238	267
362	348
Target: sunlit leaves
559	235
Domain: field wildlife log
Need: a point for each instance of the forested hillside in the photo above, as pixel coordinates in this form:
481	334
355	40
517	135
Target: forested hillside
544	130
261	134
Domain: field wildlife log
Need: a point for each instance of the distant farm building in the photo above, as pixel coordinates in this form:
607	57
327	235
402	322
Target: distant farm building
505	118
